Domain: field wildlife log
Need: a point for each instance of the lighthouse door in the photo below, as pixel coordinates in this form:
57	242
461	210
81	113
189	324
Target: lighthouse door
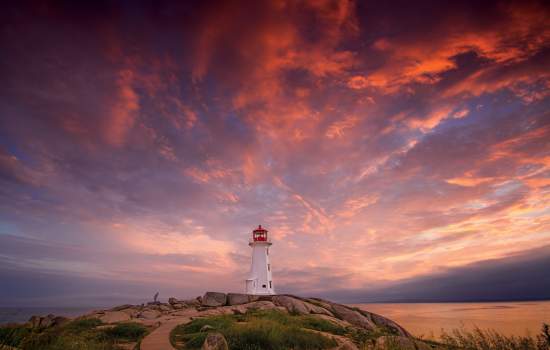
250	287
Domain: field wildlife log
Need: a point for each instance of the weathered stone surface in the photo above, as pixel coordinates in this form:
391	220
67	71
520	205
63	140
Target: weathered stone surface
389	342
257	305
352	316
334	320
192	302
178	306
291	304
165	308
214	299
132	312
149	314
46	321
114	317
215	341
237	299
122	307
173	301
314	309
385	322
298	305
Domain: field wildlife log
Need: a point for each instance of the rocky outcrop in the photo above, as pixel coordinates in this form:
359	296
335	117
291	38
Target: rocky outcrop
238	299
382	321
298	305
354	317
122	307
115	317
149	314
293	305
215	341
214	299
256	305
158	315
50	320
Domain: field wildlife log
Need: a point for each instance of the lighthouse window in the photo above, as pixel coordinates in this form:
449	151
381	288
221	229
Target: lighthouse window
268	267
263	285
270	286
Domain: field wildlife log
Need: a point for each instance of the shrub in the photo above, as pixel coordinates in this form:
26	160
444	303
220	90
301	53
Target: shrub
129	331
266	330
487	340
83	324
81	334
13	335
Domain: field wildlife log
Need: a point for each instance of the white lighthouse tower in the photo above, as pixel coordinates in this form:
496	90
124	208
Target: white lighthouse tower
260	281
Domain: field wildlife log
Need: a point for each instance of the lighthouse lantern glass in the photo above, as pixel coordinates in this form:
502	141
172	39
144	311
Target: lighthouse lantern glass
260	235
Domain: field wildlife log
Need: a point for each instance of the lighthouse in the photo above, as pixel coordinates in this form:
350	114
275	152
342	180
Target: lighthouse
260	281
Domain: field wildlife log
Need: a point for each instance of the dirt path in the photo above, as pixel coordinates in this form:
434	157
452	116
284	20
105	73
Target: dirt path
159	339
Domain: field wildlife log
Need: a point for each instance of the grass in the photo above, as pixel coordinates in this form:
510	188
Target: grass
266	330
491	340
82	334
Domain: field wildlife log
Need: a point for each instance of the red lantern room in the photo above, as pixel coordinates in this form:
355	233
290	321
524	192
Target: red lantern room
259	234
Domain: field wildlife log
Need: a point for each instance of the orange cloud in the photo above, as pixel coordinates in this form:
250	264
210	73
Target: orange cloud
123	110
338	128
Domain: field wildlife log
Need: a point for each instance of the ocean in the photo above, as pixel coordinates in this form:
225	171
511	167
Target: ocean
22	314
429	319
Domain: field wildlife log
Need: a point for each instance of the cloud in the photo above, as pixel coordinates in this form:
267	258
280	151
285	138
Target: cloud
143	143
516	277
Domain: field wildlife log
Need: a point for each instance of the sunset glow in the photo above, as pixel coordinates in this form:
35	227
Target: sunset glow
141	144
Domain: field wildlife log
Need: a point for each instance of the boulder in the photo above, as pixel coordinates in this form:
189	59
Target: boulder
214	299
237	299
165	308
215	341
192	302
381	321
206	328
59	320
314	309
291	304
149	314
352	316
114	317
178	306
299	305
257	305
46	321
132	312
173	301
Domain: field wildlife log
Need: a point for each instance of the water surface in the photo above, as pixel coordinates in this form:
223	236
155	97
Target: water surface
22	314
428	319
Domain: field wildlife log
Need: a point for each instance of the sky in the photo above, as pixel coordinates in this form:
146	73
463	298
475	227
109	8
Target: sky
395	150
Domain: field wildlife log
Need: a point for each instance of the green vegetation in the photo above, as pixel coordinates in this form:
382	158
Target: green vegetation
275	330
266	330
82	334
491	340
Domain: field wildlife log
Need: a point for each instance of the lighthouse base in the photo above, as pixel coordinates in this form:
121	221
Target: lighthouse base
255	287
